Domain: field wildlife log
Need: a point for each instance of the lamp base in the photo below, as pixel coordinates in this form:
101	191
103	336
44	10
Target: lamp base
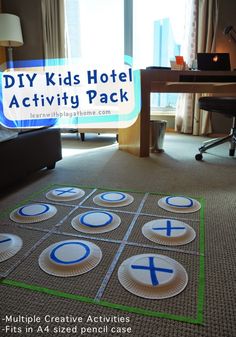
10	57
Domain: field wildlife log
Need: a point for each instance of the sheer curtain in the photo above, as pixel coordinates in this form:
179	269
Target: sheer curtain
207	25
185	105
189	119
53	18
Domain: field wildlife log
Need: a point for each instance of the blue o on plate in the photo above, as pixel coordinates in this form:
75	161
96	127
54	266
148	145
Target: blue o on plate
33	210
113	196
33	213
94	222
70	253
113	199
96	219
179	204
65	193
10	245
168	232
152	276
70	258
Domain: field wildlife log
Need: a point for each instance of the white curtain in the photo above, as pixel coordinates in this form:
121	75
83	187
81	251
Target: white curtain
185	104
207	26
53	18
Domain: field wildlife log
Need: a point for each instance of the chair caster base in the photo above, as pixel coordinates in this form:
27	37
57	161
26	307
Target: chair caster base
198	156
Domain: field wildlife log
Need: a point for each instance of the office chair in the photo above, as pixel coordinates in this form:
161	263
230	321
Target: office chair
227	107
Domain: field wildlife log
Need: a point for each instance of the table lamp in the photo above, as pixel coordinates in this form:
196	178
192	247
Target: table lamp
10	33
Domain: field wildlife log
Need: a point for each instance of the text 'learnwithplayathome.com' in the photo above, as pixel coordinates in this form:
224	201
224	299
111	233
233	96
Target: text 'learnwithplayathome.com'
58	94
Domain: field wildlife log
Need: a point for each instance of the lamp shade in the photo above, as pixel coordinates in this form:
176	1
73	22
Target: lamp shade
10	31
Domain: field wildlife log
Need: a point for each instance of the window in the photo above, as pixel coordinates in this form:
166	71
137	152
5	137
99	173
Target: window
96	30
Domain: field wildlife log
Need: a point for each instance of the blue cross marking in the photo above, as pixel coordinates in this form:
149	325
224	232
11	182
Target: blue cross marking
5	240
168	228
153	270
70	190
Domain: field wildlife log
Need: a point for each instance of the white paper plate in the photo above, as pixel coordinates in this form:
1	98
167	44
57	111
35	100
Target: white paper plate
168	232
65	194
96	222
113	199
70	258
33	213
10	244
152	276
179	204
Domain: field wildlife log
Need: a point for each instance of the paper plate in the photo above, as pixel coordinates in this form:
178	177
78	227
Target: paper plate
33	213
65	194
113	199
179	204
152	276
10	244
168	232
70	258
96	222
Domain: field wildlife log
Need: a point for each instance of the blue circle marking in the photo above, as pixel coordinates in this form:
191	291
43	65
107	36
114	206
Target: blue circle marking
45	210
153	270
122	196
5	240
64	191
83	221
83	257
168	228
190	204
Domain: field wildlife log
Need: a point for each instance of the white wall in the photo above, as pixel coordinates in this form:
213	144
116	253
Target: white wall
227	16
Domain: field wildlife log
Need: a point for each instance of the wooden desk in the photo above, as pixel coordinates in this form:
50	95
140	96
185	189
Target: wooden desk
135	139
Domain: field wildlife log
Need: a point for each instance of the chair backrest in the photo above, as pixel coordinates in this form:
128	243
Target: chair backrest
223	105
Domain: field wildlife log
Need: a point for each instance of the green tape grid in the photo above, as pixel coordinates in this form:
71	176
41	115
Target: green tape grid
175	195
200	296
135	310
102	188
201	281
33	195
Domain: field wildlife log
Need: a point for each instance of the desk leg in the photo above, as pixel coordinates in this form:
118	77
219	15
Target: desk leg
135	139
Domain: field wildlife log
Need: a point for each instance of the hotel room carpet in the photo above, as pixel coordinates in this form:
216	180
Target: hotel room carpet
205	308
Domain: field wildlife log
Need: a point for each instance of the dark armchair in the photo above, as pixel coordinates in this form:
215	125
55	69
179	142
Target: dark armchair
227	107
28	152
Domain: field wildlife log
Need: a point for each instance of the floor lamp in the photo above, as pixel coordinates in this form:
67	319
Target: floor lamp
10	34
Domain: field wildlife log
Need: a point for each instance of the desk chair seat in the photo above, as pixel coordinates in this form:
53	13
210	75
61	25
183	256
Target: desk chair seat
227	107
